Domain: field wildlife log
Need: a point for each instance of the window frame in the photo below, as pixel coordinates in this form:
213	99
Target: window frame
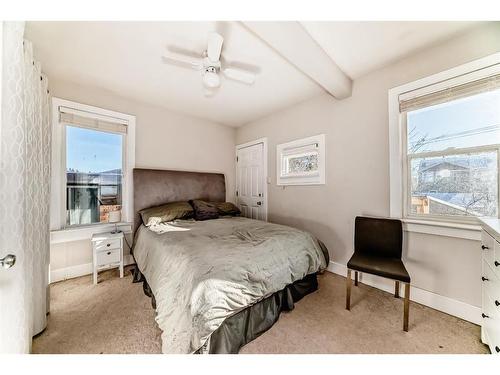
58	174
64	168
307	178
447	152
473	70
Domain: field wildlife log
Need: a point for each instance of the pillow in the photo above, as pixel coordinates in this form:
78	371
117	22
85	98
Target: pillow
204	210
227	209
166	212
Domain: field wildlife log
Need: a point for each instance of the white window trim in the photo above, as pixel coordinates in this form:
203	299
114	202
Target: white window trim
473	70
58	177
302	179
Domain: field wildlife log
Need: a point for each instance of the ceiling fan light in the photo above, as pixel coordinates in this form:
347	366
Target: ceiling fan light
211	79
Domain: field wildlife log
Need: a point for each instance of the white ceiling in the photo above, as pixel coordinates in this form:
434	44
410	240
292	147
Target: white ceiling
125	58
361	47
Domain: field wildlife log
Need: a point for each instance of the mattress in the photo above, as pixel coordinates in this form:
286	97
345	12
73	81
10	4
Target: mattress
203	272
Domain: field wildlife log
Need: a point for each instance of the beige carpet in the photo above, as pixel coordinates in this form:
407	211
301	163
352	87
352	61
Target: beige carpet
116	317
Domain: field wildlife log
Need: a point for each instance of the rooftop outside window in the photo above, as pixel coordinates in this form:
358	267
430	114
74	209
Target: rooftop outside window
94	162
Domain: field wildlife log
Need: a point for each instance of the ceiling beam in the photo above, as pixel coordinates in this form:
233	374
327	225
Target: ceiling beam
294	44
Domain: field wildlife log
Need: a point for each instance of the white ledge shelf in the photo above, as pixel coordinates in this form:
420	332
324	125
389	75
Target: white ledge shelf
85	232
439	228
492	226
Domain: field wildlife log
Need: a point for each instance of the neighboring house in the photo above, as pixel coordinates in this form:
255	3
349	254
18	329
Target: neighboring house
442	169
455	186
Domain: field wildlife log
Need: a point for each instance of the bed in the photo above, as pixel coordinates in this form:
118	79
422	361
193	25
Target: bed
217	284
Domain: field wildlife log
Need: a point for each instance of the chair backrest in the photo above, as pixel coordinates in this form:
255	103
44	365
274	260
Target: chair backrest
381	237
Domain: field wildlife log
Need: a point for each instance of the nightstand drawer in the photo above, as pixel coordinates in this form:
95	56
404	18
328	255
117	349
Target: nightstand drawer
107	244
106	257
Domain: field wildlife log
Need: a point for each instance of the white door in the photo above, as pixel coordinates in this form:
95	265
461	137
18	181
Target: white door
251	181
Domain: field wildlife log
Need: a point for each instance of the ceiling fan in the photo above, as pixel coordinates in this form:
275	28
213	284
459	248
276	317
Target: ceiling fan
211	63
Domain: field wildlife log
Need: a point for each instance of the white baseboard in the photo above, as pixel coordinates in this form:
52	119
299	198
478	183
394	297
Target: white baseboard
445	304
79	270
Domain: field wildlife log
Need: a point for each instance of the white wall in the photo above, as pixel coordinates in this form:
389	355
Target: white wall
164	140
357	165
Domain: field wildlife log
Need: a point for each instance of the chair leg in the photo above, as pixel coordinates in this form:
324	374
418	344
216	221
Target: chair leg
396	289
348	292
355	278
406	307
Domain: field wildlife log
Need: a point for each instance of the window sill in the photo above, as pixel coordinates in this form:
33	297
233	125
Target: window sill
85	232
441	228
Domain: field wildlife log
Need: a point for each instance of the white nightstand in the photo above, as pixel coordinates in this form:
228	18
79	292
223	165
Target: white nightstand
107	251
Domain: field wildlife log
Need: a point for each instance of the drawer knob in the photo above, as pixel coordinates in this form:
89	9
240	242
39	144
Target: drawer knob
484	278
484	247
108	245
484	315
109	253
497	303
497	264
497	349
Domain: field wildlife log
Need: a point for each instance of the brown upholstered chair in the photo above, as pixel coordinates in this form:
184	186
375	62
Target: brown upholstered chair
378	244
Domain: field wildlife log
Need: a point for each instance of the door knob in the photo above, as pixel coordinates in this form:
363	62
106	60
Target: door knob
259	203
8	261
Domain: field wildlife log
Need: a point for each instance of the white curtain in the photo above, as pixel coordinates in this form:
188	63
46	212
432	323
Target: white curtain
24	191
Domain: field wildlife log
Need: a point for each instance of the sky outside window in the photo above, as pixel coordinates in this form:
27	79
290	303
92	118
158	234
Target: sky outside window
469	122
92	151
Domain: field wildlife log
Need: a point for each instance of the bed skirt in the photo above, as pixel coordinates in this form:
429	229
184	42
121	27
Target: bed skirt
248	324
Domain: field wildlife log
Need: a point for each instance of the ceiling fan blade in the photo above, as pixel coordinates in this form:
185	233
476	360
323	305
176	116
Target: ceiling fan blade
240	65
182	62
186	52
214	48
239	75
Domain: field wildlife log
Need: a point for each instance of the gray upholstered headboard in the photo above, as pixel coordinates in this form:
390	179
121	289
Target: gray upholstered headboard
153	187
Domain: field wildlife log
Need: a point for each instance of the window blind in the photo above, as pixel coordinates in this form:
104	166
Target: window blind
452	93
303	149
92	120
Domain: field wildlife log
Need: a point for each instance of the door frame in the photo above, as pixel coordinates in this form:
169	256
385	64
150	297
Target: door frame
265	160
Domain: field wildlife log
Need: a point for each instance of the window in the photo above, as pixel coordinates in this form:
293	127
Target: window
452	150
92	161
302	162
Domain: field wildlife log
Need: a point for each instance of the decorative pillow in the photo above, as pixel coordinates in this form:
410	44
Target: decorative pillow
166	212
204	210
227	209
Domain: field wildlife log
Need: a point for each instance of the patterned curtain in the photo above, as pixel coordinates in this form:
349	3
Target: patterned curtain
24	191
